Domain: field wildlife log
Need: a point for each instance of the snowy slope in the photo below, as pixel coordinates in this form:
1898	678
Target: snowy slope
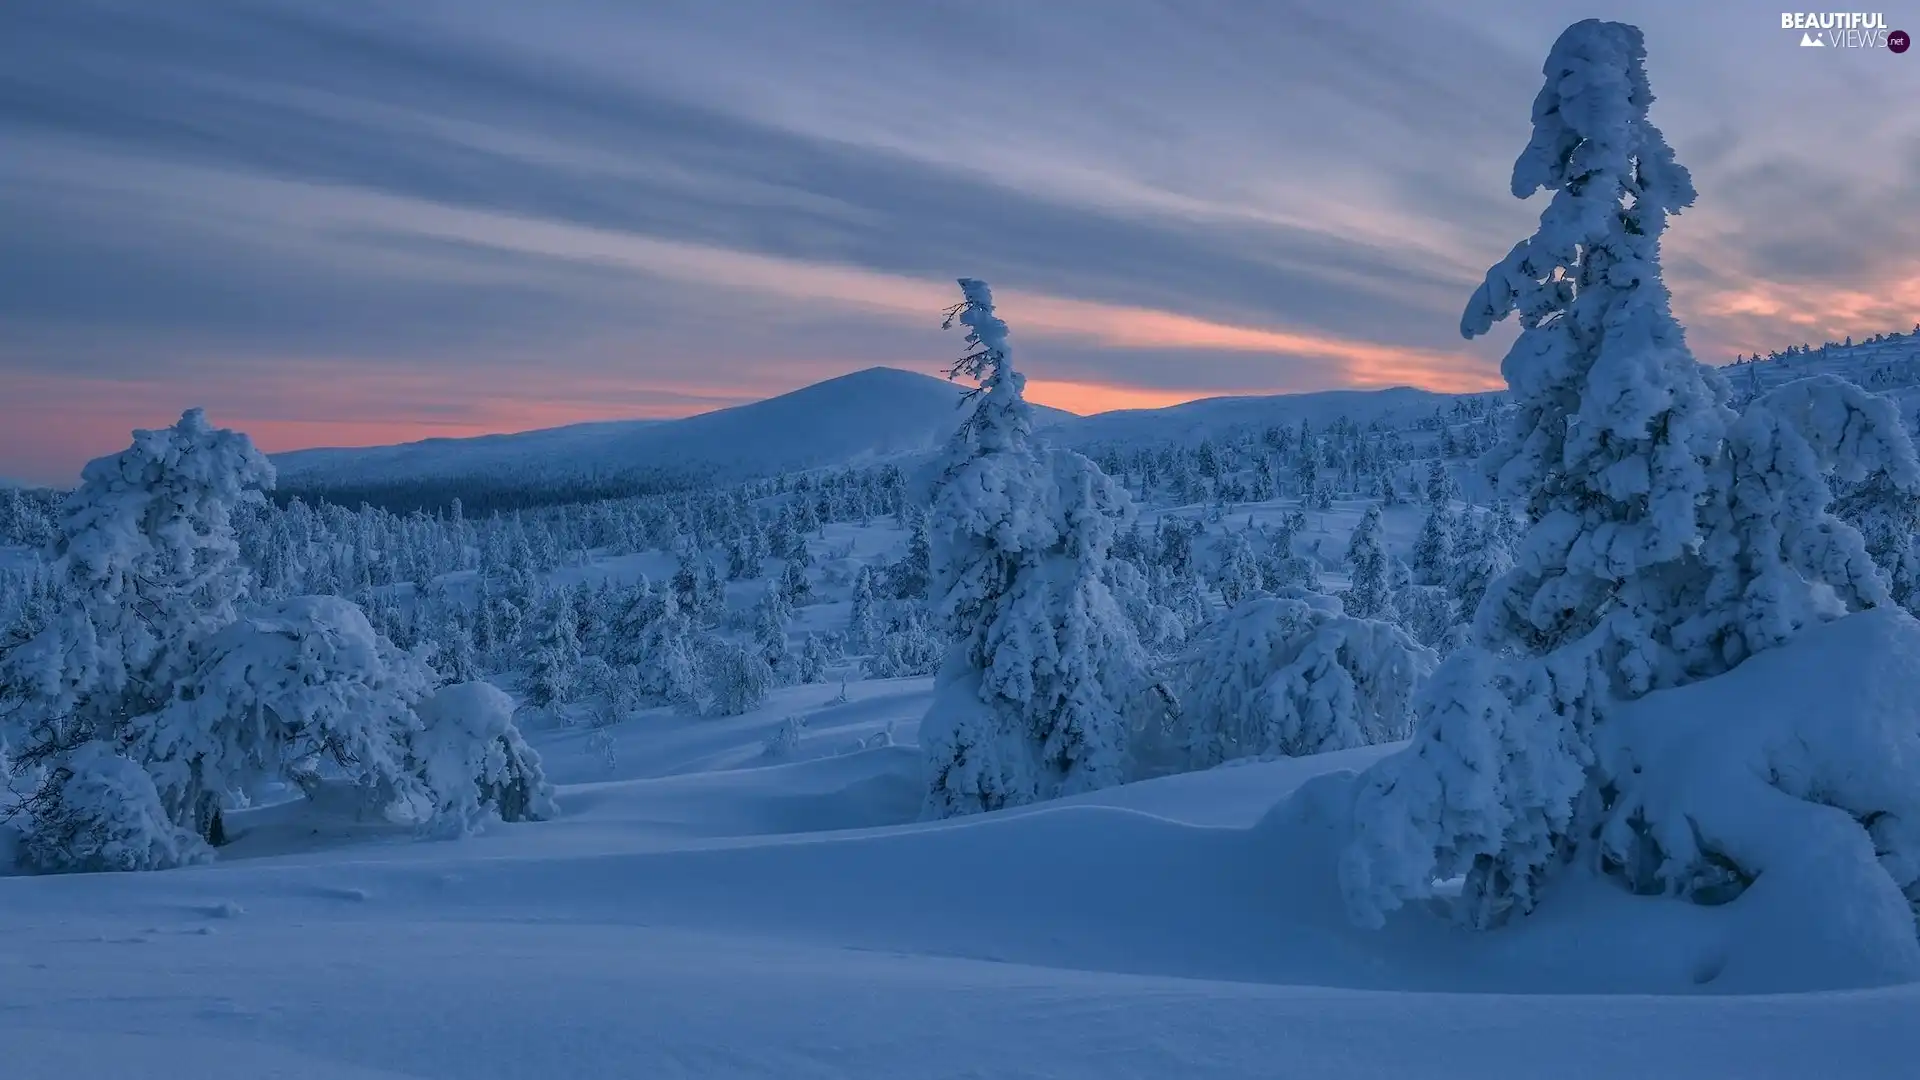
1195	420
866	416
701	923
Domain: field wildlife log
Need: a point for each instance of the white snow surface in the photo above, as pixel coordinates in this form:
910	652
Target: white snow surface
697	912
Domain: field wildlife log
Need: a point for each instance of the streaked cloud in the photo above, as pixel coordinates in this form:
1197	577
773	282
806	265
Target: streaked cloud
354	222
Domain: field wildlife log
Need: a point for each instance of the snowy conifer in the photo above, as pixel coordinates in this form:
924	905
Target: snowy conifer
1667	541
555	655
1294	675
1367	595
1239	577
737	678
771	616
908	648
1027	705
864	624
304	681
814	657
150	569
1433	548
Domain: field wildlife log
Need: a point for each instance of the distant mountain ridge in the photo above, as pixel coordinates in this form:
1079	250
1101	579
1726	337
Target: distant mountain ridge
867	416
881	414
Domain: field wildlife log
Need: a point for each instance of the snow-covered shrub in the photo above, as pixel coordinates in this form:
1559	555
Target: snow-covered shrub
784	742
737	678
299	684
149	569
473	761
1427	613
1294	675
1781	558
907	649
96	810
1028	703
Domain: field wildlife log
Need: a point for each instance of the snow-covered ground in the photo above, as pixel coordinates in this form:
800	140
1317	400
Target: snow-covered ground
701	910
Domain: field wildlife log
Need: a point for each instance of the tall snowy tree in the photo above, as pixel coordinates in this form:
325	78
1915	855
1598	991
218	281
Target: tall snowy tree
864	624
150	568
1368	594
1028	704
1614	435
1670	541
1433	548
554	654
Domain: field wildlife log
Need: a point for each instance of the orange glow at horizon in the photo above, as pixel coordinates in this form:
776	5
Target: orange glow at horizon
1086	399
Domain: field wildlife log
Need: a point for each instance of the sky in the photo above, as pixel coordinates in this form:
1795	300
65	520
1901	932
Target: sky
347	222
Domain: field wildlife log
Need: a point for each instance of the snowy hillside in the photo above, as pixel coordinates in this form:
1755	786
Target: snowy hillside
1396	407
885	413
785	919
1258	740
865	416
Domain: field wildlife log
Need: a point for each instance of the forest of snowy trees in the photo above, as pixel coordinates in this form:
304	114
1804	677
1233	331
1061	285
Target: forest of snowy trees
1622	521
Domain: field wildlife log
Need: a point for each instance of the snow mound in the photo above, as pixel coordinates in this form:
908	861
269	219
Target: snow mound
1776	764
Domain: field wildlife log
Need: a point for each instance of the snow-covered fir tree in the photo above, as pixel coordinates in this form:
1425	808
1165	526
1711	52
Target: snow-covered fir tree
1670	540
814	658
1028	704
1239	576
1368	595
864	622
737	678
1433	548
150	569
771	617
553	654
1294	675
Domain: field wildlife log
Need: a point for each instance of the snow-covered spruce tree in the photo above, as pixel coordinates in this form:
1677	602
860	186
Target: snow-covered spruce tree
814	657
1294	675
1433	548
1028	703
771	618
1239	576
795	585
1889	521
278	694
908	578
864	624
1614	437
907	649
555	654
1367	595
737	678
1781	559
149	568
1670	541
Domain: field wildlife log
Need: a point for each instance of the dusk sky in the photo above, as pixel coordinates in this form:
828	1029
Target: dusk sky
339	223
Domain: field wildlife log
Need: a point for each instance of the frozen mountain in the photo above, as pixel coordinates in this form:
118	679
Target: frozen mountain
1194	420
887	413
869	415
